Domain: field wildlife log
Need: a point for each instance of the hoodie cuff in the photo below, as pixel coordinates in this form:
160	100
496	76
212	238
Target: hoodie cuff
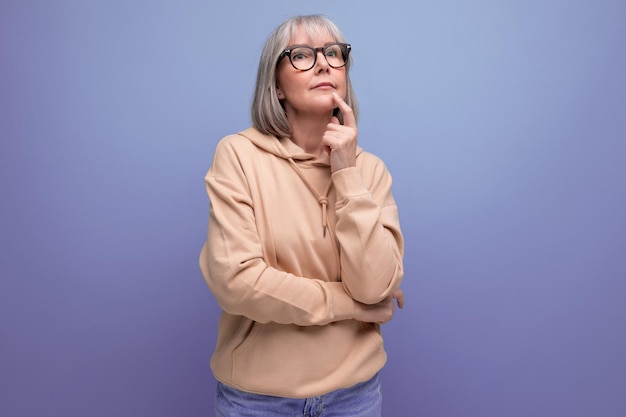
343	306
348	183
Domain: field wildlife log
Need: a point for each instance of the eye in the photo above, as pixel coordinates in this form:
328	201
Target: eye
300	54
333	51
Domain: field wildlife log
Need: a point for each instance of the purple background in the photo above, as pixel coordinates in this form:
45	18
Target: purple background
503	123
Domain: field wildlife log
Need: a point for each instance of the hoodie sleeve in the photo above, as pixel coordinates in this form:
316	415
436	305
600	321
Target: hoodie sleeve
368	231
233	266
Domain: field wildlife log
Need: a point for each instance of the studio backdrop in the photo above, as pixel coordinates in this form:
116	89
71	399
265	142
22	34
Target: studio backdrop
503	124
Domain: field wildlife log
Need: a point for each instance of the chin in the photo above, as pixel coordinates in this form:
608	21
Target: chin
325	101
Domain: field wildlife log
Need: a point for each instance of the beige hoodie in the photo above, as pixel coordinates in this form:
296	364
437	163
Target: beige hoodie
290	249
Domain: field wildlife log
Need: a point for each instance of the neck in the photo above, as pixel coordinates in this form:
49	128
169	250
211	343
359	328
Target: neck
307	132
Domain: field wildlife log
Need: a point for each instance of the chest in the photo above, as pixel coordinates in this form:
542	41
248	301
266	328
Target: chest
291	218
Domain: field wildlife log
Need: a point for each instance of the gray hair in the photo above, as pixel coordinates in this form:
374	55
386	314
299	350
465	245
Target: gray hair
268	115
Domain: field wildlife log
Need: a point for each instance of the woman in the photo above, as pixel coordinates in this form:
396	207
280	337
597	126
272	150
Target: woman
304	249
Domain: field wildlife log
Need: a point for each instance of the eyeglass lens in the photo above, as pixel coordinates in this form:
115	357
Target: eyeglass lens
303	57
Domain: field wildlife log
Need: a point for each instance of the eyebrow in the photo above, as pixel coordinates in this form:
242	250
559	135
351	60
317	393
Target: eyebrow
309	46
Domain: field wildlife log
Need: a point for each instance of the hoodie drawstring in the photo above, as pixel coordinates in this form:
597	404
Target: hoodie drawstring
322	199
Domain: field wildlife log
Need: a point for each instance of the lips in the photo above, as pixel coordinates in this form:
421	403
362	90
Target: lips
324	85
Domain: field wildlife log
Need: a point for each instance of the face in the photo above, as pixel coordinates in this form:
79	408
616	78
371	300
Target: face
310	92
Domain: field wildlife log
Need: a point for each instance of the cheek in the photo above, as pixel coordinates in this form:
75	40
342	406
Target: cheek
282	77
292	86
342	82
285	82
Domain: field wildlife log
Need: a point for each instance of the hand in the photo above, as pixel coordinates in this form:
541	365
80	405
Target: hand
398	295
382	312
340	140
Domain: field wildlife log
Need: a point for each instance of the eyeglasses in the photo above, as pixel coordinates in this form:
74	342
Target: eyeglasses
303	58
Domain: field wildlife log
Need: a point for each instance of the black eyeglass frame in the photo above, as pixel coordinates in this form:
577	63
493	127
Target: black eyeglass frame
345	50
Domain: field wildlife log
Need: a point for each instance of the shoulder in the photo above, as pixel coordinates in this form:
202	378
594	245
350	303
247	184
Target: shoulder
235	141
368	158
244	151
230	153
371	165
236	146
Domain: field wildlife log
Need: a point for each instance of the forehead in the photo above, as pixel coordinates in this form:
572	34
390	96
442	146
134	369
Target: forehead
311	35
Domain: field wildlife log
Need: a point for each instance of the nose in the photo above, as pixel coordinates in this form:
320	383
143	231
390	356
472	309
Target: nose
320	63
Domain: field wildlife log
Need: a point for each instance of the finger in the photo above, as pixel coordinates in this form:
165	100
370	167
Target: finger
348	114
399	296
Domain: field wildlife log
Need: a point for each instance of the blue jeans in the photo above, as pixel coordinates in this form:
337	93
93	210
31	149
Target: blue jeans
362	400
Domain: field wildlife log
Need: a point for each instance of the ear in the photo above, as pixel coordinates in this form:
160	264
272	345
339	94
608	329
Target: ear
279	93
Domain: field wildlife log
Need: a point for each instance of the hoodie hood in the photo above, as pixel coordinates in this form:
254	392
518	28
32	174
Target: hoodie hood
284	148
